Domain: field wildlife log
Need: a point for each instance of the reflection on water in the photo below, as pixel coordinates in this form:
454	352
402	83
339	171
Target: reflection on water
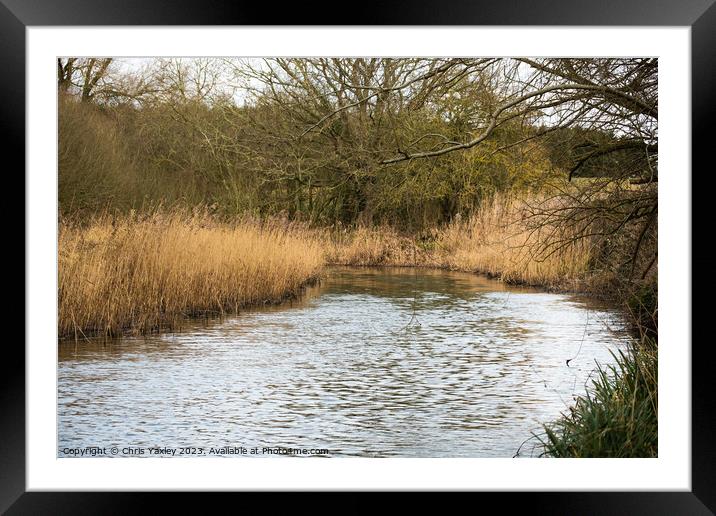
373	362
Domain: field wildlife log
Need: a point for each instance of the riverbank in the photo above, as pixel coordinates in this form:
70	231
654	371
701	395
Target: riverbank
617	417
140	274
143	273
500	240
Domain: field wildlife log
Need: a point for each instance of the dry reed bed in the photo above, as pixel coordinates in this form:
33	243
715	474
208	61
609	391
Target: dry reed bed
144	274
507	240
503	239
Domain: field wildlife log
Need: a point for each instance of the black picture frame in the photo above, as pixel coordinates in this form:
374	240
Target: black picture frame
700	15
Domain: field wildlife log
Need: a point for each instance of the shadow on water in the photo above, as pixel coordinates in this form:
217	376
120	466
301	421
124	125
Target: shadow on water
371	362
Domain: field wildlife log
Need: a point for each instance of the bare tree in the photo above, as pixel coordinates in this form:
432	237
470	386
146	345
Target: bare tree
99	81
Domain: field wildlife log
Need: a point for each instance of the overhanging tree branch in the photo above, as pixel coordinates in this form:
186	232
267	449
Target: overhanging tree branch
495	117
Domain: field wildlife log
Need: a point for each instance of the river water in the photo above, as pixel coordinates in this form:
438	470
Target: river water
373	363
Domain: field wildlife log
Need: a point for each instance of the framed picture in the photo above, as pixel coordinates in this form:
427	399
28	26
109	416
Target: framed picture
420	243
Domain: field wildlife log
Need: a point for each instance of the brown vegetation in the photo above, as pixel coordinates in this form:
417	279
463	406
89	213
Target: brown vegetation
141	274
495	240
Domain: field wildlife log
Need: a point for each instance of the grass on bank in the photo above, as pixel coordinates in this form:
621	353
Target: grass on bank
618	416
147	273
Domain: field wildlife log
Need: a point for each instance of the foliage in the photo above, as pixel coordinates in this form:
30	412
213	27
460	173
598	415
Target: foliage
618	417
187	146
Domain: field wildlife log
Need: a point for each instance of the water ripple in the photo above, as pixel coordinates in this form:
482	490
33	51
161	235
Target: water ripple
376	363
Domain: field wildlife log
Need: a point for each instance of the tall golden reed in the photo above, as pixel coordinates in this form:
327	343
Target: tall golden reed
496	240
141	274
505	239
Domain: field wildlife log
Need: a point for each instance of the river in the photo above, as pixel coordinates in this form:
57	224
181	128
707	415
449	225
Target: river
392	362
